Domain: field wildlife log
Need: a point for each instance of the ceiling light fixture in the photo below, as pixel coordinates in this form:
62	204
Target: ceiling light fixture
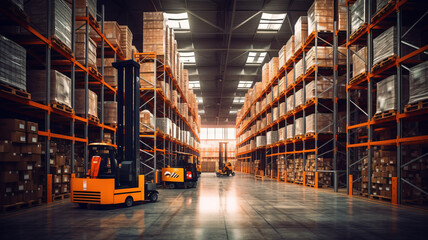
187	57
256	57
238	100
194	84
245	84
271	22
178	21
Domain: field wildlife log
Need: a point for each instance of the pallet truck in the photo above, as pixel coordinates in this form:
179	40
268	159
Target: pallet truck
224	169
183	174
114	172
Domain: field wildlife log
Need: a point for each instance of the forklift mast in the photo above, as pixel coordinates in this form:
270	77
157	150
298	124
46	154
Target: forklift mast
128	103
222	154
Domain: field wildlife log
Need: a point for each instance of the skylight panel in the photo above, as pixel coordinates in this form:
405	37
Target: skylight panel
194	84
245	84
187	57
233	111
271	22
200	100
238	100
202	111
178	21
256	57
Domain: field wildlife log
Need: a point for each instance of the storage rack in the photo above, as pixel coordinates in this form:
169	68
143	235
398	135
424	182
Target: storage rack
158	102
363	132
292	148
62	60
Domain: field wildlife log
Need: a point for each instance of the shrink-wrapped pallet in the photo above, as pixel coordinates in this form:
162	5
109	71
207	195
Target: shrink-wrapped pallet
323	57
260	141
110	73
358	15
282	57
282	109
110	112
381	4
418	83
298	69
275	92
281	85
80	102
385	45
359	61
273	68
290	131
323	89
60	87
289	49
269	98
299	124
290	103
259	125
265	75
80	49
299	97
300	32
258	106
320	16
268	118
147	121
81	6
342	23
12	63
275	114
271	137
281	133
324	123
290	78
126	41
164	125
60	17
385	99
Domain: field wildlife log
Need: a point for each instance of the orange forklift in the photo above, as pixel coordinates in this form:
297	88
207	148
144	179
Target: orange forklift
225	168
114	172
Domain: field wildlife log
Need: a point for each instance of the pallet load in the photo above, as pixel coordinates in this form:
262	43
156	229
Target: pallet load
165	126
20	164
320	16
418	87
290	78
359	60
324	178
291	174
147	74
358	16
110	73
265	75
298	168
416	173
110	112
61	171
147	121
385	99
290	103
154	25
81	6
112	33
384	48
290	132
323	90
299	71
324	123
92	104
60	20
299	125
260	141
384	167
342	23
299	98
60	88
12	64
282	57
81	47
300	32
273	68
126	41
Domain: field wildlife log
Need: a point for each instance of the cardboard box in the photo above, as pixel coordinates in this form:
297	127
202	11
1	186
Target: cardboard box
9	176
13	136
60	87
8	198
9	125
24	166
32	138
59	160
25	175
32	127
66	169
56	179
65	178
9	157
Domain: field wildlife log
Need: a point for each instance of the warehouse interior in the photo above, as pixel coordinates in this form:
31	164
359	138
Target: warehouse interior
213	119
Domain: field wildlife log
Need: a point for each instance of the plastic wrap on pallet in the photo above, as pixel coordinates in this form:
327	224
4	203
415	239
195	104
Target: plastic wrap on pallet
282	57
381	4
271	137
281	133
385	99
299	124
358	15
290	131
164	125
60	87
324	123
110	112
81	6
19	4
289	49
273	68
275	114
290	78
299	97
12	63
324	88
320	16
298	70
290	103
80	102
342	23
359	61
300	32
385	45
60	19
80	49
265	75
147	121
260	141
418	83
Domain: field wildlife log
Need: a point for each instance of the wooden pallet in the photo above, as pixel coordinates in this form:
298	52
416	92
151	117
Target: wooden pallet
94	70
299	78
58	43
381	12
384	115
358	78
14	91
259	177
289	140
319	185
61	196
62	107
14	10
93	118
358	31
112	125
310	101
310	135
416	106
310	68
384	62
378	197
298	182
299	137
94	21
19	205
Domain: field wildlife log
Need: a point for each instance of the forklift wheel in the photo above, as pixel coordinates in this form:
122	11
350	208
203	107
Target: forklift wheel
129	201
233	174
218	174
153	197
83	205
171	186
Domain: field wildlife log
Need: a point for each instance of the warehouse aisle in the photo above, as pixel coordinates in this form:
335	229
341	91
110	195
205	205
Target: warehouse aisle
223	208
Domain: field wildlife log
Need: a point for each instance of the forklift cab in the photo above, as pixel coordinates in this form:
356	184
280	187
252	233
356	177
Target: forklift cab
183	174
103	161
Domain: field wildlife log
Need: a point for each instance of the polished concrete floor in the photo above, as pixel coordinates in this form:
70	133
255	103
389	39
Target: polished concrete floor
224	208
